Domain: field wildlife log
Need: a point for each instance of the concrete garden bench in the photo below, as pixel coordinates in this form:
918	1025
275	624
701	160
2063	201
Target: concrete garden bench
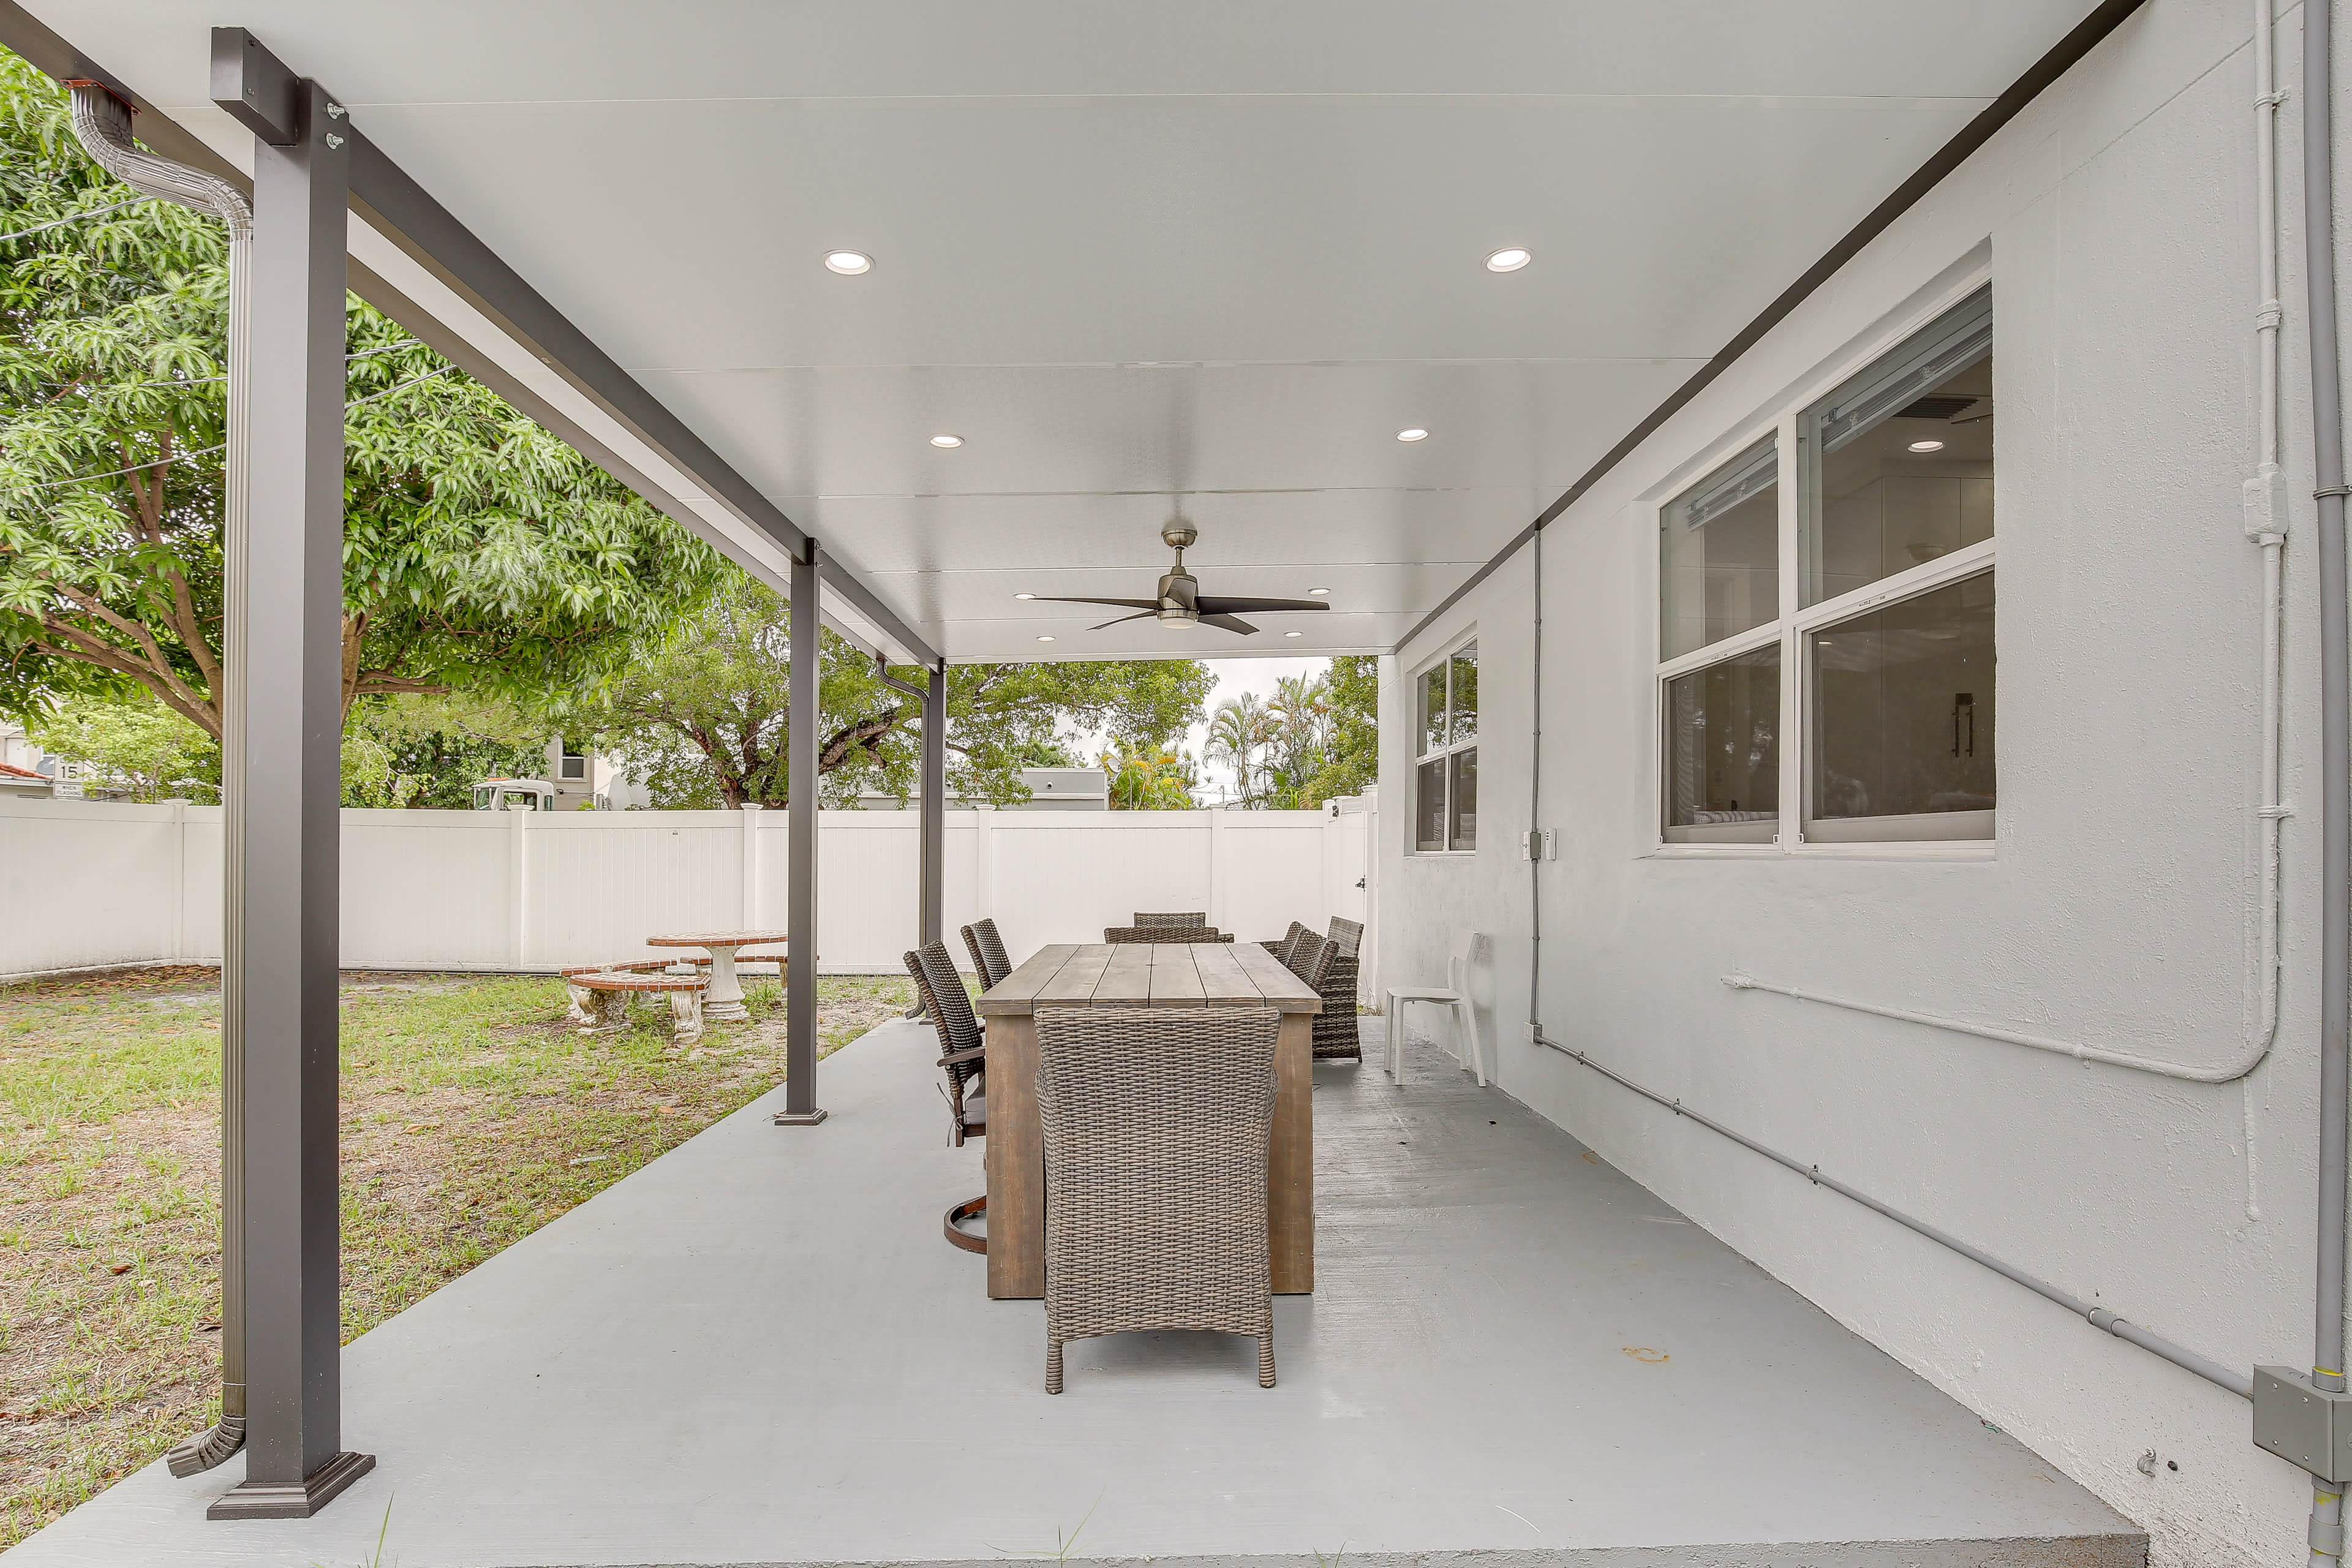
608	993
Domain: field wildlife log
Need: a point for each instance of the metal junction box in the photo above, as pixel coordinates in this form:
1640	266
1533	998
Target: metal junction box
2308	1427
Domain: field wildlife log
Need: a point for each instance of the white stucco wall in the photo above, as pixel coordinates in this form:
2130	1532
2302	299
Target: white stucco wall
2114	907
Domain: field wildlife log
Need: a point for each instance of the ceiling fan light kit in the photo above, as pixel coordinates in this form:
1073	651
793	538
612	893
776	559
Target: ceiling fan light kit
1181	602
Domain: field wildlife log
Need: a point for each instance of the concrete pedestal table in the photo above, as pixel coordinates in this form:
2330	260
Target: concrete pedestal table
725	997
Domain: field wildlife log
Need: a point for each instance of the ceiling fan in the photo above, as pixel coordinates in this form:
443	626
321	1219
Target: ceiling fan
1181	602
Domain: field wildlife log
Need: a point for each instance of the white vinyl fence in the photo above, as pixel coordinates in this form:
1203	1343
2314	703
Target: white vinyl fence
85	884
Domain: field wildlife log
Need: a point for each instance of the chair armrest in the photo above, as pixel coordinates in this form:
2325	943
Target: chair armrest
969	1054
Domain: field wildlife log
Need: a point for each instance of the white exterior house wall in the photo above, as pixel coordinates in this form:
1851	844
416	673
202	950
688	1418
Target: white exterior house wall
2115	907
85	884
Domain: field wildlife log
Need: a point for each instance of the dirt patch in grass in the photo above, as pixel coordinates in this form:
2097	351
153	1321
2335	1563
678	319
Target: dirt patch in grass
472	1114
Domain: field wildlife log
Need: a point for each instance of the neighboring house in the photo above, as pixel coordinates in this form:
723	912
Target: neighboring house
586	778
24	784
1050	789
25	772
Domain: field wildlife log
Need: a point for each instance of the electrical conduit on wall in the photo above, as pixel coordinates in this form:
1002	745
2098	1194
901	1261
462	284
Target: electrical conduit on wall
2265	525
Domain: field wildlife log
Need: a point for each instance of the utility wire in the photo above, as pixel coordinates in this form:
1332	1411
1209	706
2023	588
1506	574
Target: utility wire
207	451
74	218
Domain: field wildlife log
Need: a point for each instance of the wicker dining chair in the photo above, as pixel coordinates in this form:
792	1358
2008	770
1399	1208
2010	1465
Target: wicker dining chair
1159	1125
1177	918
1289	942
988	960
1163	933
1336	1037
1311	959
961	1046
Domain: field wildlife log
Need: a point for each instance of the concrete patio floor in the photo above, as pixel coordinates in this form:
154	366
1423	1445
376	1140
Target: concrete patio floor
758	1350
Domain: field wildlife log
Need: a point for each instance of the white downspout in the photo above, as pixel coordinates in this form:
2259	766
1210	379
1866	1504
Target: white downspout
101	122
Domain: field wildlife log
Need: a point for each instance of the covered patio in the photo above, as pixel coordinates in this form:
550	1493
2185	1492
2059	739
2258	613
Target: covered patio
1363	311
757	1350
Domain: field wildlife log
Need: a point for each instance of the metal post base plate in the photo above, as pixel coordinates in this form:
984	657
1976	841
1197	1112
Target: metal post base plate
799	1119
291	1499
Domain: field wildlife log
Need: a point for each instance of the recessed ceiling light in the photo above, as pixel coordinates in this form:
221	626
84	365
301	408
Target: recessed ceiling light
848	263
1024	595
1045	639
1319	593
1294	634
1927	445
947	441
1415	434
1509	260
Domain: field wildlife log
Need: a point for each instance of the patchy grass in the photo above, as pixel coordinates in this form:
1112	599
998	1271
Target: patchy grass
472	1115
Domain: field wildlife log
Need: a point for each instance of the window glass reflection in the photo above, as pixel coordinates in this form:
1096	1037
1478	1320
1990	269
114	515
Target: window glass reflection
1723	750
1904	708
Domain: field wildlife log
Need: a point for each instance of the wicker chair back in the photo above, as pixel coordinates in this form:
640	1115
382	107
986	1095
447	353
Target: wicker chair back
1289	944
1310	958
1158	1125
981	962
1175	918
947	1001
999	964
1336	1036
959	1057
1163	933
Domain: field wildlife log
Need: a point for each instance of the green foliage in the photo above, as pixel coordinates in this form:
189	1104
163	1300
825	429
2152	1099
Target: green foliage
479	550
1352	753
1148	778
144	748
1317	739
428	751
703	720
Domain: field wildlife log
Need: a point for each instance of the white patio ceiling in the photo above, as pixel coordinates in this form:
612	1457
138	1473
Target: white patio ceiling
1199	261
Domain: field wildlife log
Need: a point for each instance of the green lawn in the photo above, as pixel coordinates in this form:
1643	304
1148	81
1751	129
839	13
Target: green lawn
472	1115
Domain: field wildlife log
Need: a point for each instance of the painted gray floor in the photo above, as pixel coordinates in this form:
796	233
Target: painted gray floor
758	1350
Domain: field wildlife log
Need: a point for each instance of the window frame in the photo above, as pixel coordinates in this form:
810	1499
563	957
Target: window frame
1787	421
1444	754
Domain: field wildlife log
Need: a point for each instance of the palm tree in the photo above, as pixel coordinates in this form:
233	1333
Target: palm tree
1299	729
1236	729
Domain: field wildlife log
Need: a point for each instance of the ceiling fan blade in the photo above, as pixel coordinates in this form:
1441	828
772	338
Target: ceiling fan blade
1220	606
1139	616
1230	623
1114	604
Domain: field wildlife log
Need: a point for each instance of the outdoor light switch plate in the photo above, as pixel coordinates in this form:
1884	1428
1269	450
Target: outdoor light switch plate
2309	1427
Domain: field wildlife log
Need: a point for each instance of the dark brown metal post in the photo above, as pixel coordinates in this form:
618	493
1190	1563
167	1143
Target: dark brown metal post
800	790
289	849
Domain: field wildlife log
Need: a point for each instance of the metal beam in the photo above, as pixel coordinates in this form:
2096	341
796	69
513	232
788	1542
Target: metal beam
255	87
406	213
802	742
289	806
934	856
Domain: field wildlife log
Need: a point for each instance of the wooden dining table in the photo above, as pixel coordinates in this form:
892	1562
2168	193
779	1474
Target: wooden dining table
1131	975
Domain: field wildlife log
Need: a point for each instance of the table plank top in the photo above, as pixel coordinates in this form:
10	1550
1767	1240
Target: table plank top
1163	974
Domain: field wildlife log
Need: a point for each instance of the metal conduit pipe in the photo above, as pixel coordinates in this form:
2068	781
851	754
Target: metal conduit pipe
2265	521
101	122
2238	1383
2336	735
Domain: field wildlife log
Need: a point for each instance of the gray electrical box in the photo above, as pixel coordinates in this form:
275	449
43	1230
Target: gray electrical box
2309	1427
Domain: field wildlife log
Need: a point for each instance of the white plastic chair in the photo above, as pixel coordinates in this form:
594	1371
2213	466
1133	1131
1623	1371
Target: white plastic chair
1454	994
